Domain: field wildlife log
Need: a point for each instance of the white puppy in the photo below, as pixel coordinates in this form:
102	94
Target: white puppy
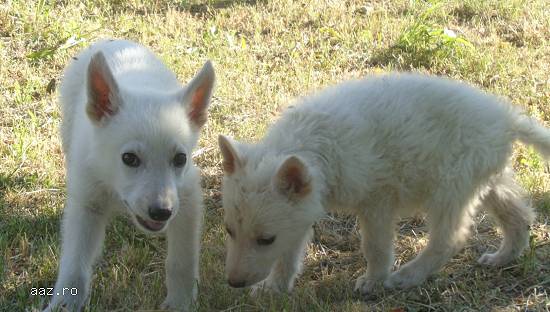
128	129
379	148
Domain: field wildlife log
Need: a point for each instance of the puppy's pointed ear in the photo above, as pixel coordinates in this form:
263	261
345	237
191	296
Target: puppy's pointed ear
292	178
103	93
196	95
231	161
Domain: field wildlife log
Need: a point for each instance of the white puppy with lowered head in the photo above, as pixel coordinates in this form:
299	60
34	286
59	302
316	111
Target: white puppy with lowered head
128	130
379	148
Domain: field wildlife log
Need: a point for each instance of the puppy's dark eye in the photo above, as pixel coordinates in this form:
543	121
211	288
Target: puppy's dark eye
131	160
229	232
179	160
264	241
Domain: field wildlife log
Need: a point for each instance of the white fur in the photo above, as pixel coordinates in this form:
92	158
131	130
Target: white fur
380	148
152	119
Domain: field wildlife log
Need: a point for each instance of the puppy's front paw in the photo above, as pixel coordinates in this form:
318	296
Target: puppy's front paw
266	286
62	302
258	289
171	304
62	306
181	301
53	308
180	296
365	285
494	259
404	278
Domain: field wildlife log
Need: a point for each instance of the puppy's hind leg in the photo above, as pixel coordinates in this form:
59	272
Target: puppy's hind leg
449	223
505	201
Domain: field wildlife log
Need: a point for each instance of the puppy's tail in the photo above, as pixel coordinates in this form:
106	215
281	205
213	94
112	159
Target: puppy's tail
531	132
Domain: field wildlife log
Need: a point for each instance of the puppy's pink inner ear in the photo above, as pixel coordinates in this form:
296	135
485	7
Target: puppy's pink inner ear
230	159
197	113
197	95
293	179
228	165
101	91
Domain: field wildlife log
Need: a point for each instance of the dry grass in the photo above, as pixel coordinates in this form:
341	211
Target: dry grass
265	53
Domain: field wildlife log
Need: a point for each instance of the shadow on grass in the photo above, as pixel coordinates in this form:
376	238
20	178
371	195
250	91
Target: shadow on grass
202	8
26	243
26	236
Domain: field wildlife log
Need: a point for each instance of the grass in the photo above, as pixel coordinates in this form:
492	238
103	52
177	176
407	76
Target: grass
265	54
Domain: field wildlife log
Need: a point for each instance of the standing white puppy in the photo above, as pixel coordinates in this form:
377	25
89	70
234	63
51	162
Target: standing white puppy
128	129
379	148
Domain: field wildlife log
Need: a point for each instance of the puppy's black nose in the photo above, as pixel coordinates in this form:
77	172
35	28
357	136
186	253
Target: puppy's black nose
159	213
236	284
